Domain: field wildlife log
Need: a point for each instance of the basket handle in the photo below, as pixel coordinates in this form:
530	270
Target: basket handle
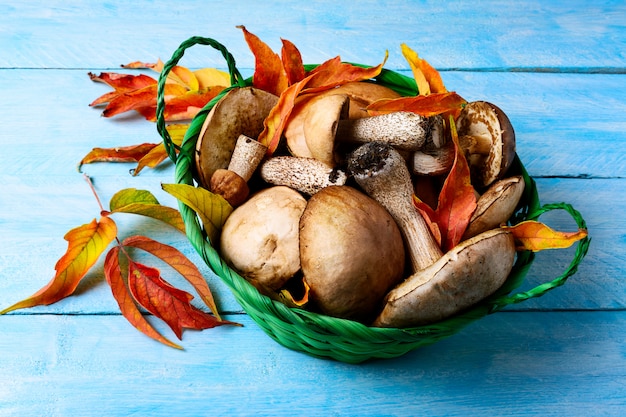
235	79
581	251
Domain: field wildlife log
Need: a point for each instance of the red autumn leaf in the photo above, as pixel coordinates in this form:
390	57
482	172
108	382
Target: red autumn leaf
125	301
334	72
430	105
182	107
292	62
269	74
174	258
535	236
166	302
132	153
85	245
457	201
141	99
121	83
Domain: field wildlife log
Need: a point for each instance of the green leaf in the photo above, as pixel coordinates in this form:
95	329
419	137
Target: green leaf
212	209
142	202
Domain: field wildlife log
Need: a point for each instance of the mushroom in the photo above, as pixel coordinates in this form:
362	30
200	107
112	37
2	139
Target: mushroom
232	183
361	94
496	205
487	137
260	239
306	175
471	271
326	122
351	253
468	273
240	111
382	172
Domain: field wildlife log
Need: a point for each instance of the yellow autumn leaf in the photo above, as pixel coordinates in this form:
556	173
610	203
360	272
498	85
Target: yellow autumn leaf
210	77
413	59
85	245
142	202
212	209
536	236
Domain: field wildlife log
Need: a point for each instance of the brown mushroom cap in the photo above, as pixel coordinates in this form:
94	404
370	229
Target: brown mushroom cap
351	252
240	112
320	126
260	239
466	274
488	139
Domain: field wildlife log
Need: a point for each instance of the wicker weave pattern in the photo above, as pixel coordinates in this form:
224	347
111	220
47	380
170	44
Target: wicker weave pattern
329	337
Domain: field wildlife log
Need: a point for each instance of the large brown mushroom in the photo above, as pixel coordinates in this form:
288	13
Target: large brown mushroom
351	252
240	112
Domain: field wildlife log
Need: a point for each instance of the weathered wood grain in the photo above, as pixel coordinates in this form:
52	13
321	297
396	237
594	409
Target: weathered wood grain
565	35
549	364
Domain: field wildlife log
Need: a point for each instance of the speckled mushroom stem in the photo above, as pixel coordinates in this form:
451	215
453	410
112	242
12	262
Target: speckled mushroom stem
382	173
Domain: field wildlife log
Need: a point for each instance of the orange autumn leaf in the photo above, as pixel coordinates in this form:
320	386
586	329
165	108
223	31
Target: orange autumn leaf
158	154
166	302
125	301
427	106
427	78
329	74
143	98
132	153
292	62
269	74
183	106
535	236
174	258
85	245
457	200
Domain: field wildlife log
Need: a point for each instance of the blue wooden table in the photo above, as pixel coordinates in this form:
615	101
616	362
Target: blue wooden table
558	68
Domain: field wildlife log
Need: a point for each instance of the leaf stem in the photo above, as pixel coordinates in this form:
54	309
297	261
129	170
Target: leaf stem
93	190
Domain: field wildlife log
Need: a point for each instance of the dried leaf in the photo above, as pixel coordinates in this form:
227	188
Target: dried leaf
269	74
535	236
85	245
125	301
457	201
211	77
142	202
292	62
427	78
166	302
430	105
212	209
121	83
132	153
174	258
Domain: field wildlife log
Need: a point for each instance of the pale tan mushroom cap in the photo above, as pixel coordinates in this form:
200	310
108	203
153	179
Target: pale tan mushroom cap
351	252
468	273
260	239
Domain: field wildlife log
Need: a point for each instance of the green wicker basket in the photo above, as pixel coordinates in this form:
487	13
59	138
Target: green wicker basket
329	337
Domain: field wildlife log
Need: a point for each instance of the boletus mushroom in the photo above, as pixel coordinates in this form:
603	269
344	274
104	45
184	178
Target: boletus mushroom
260	239
488	140
441	284
240	111
351	252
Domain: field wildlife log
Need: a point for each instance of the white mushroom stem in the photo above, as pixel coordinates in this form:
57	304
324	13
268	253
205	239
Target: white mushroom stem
246	157
306	175
403	130
382	173
431	160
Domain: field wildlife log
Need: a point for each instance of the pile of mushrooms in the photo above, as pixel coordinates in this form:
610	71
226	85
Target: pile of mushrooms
328	222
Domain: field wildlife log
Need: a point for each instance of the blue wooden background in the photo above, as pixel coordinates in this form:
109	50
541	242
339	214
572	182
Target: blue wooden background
558	68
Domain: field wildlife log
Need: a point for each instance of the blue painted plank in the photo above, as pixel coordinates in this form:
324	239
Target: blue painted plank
488	34
523	364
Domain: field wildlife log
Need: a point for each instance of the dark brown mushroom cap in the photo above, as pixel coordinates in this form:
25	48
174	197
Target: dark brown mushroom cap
488	139
240	112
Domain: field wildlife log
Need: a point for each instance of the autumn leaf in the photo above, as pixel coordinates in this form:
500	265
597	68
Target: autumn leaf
292	62
536	236
174	258
125	301
457	200
212	209
142	202
269	74
427	78
85	245
427	106
166	302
